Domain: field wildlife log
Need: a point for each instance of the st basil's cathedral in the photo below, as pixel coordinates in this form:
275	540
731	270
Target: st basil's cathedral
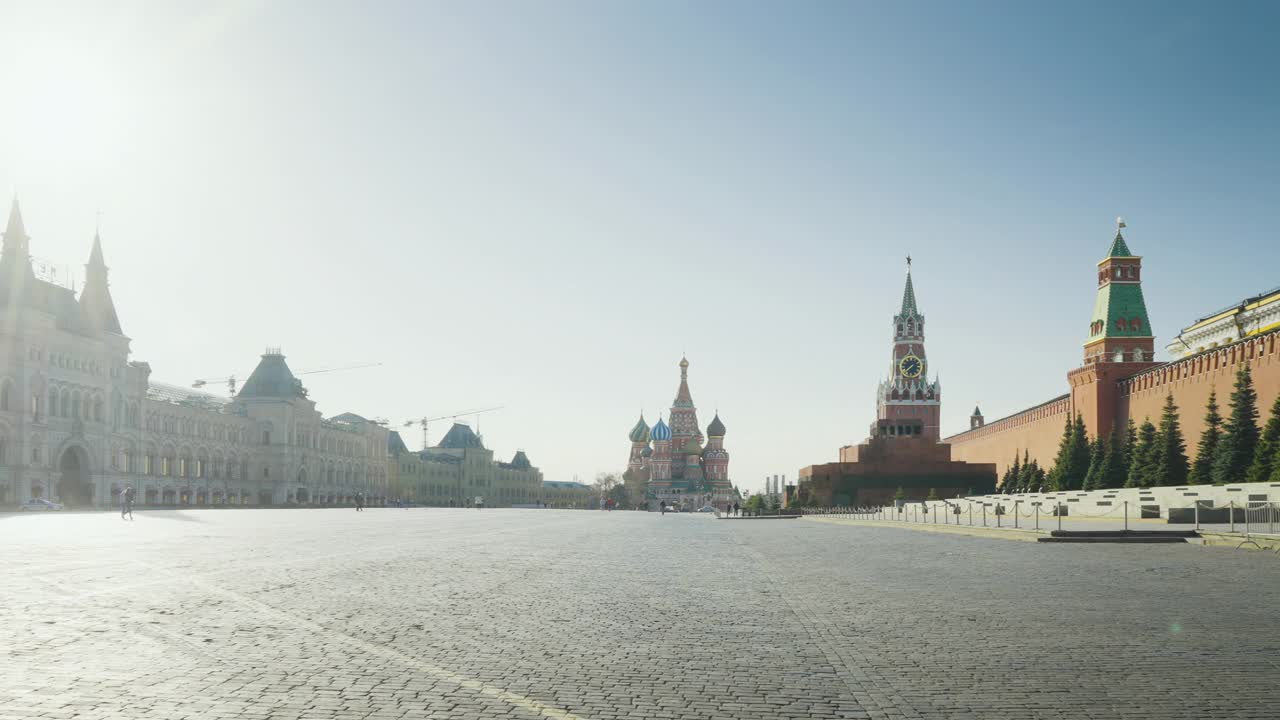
677	469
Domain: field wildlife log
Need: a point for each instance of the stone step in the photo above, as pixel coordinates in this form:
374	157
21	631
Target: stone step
1125	533
1115	539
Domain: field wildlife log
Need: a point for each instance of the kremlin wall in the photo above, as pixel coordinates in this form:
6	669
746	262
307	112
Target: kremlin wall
1119	381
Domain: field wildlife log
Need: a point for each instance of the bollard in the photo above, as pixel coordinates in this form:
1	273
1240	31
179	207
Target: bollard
1126	516
1197	516
1015	514
1037	516
1058	510
1246	518
1231	515
999	512
984	514
935	515
970	513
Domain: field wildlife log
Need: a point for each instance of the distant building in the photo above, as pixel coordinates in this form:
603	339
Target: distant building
677	469
564	494
458	470
1249	317
79	420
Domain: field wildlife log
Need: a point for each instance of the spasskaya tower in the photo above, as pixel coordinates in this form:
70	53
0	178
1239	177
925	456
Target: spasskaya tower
907	403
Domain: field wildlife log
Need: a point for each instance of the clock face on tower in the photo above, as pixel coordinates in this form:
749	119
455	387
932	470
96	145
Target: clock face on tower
910	366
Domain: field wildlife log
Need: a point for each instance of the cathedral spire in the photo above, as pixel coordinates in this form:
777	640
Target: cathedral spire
908	294
683	397
15	234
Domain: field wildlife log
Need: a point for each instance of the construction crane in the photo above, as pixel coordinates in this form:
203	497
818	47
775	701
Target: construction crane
231	380
426	421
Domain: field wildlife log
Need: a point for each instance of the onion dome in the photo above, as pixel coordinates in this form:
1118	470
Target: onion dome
640	433
692	447
646	452
716	428
660	432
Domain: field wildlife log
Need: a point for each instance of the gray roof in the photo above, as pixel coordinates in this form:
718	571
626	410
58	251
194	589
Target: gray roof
564	485
460	437
272	379
164	392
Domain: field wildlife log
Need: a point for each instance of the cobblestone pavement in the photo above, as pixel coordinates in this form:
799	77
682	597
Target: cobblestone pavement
527	614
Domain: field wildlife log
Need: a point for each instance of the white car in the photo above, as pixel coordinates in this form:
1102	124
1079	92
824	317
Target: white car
40	504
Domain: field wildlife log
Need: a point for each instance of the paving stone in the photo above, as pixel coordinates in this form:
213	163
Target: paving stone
383	615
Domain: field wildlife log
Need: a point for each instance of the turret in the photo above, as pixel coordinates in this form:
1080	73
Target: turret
95	299
1119	329
975	420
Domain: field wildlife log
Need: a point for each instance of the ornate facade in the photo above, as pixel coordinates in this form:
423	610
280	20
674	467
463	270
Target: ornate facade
79	420
459	469
673	463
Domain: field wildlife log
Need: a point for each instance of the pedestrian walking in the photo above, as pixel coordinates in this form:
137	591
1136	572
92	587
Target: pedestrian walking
126	506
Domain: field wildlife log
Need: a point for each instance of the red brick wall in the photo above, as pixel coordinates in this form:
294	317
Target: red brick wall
1105	397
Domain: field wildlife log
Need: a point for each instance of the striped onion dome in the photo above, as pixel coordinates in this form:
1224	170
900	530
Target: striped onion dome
660	431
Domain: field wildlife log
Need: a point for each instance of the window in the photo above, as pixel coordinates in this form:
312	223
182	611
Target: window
266	437
1117	273
148	464
1135	324
35	455
1120	324
4	395
165	466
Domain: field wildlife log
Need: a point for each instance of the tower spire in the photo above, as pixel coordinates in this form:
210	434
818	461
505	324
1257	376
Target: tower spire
908	294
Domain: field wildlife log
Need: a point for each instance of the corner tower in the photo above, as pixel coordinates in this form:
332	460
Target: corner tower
1119	330
907	402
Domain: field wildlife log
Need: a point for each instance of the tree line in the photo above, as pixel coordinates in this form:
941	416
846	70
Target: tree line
1231	449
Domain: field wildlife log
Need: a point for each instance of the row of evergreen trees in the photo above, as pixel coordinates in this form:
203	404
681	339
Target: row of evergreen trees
1230	450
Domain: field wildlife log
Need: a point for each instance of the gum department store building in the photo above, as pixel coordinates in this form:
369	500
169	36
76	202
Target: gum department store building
79	420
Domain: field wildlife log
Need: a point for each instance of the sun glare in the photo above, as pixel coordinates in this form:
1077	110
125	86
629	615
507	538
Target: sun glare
69	108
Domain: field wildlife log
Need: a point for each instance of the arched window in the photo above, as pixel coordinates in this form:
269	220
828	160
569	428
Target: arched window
1119	356
1120	324
75	405
1117	273
97	409
1135	324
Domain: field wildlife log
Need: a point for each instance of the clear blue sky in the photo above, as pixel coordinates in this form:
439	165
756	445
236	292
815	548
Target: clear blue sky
541	205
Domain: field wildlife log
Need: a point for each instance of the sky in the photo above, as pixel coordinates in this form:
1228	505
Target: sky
543	205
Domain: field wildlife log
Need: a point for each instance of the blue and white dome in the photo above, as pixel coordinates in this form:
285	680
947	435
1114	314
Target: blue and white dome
660	431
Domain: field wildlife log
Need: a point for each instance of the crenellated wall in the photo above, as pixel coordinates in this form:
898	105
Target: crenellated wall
1036	430
1191	379
1140	396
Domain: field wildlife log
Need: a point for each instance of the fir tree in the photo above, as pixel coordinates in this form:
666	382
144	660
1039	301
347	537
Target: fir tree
1095	466
1062	463
1112	474
1140	456
1240	434
1126	450
1169	457
1027	478
1081	449
1202	468
1265	460
1011	475
1038	474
